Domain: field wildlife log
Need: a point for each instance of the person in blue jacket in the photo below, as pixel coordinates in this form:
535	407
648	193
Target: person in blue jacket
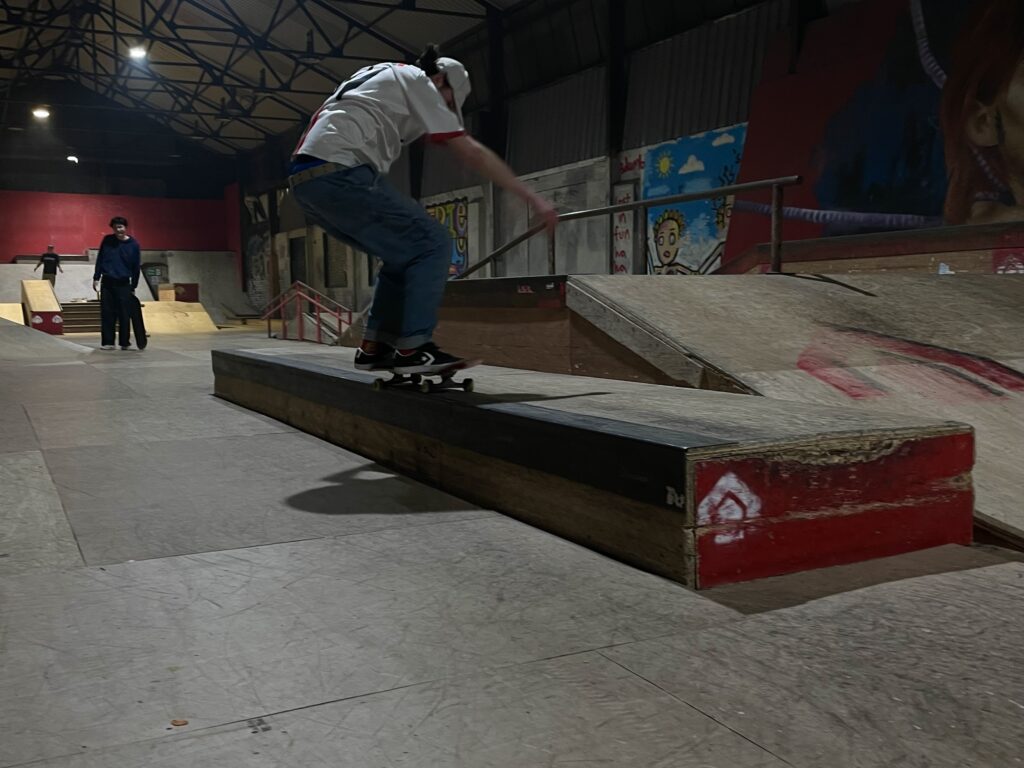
118	267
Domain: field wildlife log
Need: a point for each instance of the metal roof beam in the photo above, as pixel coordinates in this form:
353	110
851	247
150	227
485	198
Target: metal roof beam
403	48
412	5
193	98
144	108
216	75
268	89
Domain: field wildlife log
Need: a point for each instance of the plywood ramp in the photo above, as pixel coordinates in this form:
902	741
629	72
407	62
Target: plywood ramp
177	317
38	296
12	313
949	347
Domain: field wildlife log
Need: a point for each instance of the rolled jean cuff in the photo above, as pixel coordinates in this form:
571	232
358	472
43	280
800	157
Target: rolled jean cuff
398	342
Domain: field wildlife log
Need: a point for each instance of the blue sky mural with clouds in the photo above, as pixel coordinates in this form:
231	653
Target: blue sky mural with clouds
690	233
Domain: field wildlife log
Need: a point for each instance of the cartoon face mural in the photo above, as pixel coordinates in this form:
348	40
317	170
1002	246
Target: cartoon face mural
453	215
689	237
668	237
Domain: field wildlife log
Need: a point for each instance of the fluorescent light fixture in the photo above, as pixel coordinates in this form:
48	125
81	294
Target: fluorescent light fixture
137	52
72	159
40	113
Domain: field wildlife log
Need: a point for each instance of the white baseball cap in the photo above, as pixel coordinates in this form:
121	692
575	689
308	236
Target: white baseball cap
458	78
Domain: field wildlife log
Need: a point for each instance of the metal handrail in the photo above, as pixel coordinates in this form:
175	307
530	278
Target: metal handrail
313	295
776	185
299	291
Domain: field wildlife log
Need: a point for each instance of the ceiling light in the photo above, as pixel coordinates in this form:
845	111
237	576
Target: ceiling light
137	52
40	113
72	159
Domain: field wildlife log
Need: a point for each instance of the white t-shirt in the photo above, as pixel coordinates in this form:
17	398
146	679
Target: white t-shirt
383	107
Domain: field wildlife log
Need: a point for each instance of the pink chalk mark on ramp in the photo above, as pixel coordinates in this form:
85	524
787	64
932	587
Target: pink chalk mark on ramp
947	374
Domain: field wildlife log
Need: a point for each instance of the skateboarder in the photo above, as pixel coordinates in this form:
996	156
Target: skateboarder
337	177
50	262
118	267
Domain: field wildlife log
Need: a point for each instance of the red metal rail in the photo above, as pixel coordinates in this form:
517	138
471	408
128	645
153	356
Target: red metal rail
300	300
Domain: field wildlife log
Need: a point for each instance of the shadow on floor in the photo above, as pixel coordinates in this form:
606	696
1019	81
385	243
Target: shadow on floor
777	592
363	490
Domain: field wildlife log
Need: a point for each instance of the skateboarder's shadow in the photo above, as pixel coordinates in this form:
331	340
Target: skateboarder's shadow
374	490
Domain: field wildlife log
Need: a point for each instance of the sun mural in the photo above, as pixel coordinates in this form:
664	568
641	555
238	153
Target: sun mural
664	164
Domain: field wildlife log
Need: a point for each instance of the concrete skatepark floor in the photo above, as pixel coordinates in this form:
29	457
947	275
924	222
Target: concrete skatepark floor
167	556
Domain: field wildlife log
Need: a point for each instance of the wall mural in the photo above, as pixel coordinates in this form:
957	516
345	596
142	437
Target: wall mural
256	251
690	237
919	122
453	215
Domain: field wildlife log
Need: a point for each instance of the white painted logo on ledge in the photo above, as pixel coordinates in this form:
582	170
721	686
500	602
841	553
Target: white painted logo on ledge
731	500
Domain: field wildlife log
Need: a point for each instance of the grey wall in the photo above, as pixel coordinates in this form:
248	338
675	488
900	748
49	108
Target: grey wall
581	246
220	287
75	284
701	79
563	123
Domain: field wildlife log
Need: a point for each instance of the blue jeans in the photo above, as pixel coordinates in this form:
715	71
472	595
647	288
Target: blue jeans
358	206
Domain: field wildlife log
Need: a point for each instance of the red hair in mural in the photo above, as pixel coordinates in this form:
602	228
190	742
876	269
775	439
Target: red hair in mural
986	58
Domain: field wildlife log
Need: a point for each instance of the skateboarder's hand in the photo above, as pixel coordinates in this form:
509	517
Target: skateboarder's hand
545	211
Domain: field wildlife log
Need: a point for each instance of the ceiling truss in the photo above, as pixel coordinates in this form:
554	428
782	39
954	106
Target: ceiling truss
227	73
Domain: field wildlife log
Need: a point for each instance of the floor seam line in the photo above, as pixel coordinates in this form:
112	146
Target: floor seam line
697	709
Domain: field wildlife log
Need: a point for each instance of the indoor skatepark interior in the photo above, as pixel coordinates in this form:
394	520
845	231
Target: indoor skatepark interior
737	482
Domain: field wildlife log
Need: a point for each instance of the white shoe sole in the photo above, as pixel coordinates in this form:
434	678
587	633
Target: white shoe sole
434	368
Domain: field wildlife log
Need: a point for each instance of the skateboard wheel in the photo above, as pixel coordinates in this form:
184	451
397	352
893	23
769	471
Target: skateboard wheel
378	384
467	385
425	387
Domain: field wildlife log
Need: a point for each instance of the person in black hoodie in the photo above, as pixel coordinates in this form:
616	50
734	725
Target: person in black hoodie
118	267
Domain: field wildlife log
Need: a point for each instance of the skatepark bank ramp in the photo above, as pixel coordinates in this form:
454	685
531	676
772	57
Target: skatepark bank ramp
949	347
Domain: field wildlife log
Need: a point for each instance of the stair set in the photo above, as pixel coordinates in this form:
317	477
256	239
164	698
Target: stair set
81	316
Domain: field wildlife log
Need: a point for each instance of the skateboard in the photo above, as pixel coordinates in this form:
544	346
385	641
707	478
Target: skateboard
425	383
138	323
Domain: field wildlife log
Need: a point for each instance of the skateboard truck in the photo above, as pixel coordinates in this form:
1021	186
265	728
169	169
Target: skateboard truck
424	381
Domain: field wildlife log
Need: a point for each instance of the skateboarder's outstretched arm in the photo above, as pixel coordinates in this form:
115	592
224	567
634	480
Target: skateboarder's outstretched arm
475	155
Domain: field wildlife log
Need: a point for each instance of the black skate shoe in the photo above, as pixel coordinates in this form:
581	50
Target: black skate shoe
382	360
425	359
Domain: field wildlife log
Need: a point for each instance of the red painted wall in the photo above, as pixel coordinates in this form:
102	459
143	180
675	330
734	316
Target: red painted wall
790	112
29	221
233	224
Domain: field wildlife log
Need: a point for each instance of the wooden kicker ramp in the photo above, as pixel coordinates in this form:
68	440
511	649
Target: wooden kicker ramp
948	347
702	487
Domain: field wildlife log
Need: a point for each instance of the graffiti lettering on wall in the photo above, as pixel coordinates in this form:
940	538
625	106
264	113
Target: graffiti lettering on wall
842	358
453	215
631	165
623	226
689	237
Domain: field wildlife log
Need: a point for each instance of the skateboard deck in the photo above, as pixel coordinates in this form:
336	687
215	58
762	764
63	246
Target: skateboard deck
425	382
138	323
